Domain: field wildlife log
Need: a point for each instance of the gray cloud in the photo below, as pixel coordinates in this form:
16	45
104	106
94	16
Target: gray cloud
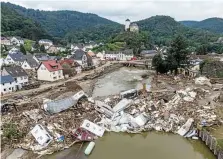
133	9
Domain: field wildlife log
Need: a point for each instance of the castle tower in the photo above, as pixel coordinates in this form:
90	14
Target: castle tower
127	24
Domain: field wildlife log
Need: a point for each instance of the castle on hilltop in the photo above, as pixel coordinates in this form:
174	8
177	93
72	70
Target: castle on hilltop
132	27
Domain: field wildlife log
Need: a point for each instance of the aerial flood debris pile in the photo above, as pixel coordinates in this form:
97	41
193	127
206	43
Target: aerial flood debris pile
57	124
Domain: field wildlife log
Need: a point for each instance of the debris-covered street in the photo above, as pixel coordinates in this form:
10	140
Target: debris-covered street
66	114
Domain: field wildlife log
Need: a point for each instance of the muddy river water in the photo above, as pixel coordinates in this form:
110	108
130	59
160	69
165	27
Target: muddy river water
149	145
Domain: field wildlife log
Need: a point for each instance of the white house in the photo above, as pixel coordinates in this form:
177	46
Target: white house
82	58
39	57
50	71
101	55
19	75
75	47
5	41
15	58
61	49
2	61
45	41
7	84
123	55
17	40
13	50
30	63
111	55
41	135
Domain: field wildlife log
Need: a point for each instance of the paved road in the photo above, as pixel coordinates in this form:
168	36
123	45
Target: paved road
48	85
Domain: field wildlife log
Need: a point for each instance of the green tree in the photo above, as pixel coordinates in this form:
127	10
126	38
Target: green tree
6	49
22	49
177	55
159	64
42	48
202	49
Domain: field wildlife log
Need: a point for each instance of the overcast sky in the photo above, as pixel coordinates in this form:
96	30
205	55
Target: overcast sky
119	10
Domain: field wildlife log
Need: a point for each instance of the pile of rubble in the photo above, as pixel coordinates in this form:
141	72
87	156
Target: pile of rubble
58	124
143	113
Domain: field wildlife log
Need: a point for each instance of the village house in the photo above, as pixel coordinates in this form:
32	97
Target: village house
95	60
61	49
30	63
45	41
123	55
39	57
75	47
16	40
82	58
50	71
52	49
5	41
101	55
91	53
15	58
2	62
90	45
70	67
19	75
148	53
7	84
13	50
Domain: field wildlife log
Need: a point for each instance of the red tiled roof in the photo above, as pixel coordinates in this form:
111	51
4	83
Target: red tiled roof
67	61
52	65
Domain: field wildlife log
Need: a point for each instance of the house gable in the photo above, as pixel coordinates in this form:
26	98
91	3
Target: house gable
25	65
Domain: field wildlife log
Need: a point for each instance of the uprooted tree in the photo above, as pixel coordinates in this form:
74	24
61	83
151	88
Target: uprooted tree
177	57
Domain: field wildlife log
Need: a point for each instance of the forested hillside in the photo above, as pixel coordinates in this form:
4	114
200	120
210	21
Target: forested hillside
163	28
71	24
212	24
13	24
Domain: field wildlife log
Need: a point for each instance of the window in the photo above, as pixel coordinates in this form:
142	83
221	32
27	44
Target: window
53	73
9	88
25	65
10	82
25	77
41	127
4	89
21	78
3	84
40	138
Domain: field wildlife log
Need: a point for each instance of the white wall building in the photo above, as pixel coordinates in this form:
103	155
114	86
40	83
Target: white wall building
123	55
45	41
17	40
30	63
18	74
100	55
50	71
13	50
5	41
14	58
127	24
7	84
